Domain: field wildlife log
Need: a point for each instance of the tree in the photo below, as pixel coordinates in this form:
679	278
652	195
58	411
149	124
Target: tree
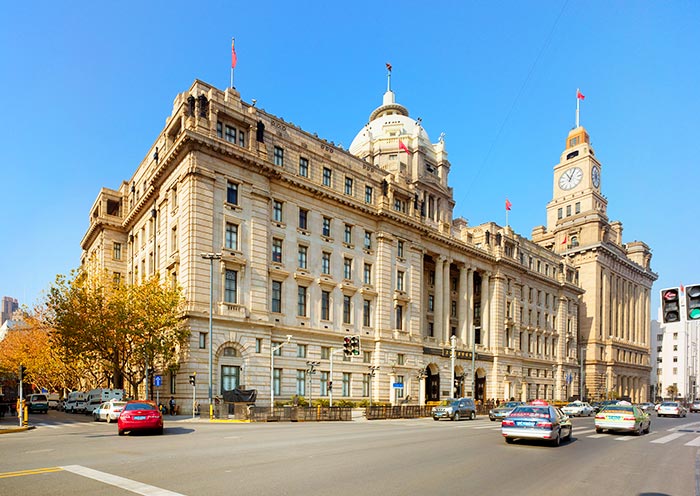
672	391
121	327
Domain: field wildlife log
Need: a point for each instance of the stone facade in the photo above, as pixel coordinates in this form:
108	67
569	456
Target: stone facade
319	243
615	322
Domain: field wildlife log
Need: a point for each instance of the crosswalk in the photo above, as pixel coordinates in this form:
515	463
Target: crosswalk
61	425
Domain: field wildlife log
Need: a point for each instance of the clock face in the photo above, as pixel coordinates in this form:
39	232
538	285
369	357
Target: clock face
570	178
595	176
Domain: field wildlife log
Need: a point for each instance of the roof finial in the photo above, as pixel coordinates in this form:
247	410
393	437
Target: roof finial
388	76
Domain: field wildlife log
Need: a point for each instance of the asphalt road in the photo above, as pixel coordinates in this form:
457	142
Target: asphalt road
71	455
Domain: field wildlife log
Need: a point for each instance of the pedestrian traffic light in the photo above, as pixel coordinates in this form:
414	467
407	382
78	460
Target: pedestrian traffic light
193	379
669	305
692	301
355	345
347	346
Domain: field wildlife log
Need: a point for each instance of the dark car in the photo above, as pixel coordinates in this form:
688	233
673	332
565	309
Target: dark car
38	403
455	409
140	416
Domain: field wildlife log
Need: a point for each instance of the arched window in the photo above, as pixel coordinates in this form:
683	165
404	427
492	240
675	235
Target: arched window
230	352
574	240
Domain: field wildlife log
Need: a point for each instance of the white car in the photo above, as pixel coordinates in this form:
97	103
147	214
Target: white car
671	408
578	409
108	411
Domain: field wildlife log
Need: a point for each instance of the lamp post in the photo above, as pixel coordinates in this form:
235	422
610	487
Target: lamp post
272	369
311	370
330	386
372	372
453	341
211	257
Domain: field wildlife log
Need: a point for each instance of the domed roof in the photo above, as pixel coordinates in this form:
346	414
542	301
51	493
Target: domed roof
389	121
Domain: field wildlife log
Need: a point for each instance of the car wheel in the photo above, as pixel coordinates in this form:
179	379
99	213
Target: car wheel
492	419
509	440
639	430
598	430
557	440
94	418
436	419
160	431
455	417
121	432
646	431
109	419
568	436
472	415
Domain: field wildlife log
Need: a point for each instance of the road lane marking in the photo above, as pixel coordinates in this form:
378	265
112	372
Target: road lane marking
35	471
596	436
670	437
121	482
583	432
625	438
682	426
694	442
487	427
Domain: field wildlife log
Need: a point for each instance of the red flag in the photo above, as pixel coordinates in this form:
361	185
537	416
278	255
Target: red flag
508	204
388	66
234	59
404	147
682	288
564	242
580	95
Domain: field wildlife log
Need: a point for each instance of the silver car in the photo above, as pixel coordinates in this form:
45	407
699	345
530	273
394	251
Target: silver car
537	421
455	409
502	411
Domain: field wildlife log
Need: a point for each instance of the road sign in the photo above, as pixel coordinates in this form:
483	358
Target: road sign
158	380
397	385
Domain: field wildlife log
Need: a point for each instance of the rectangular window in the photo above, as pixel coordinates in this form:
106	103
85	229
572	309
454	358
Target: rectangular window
568	210
301	382
324	384
232	193
367	313
277	250
231	236
277	210
366	357
347	309
399	280
231	134
301	351
303	251
276	306
116	278
277	381
219	129
258	345
231	286
278	349
230	377
400	359
399	391
399	249
368	240
431	303
365	385
117	251
326	228
241	138
325	305
301	301
326	177
399	317
348	186
202	340
346	384
325	263
303	167
368	274
560	213
347	268
453	310
347	234
325	353
577	207
279	156
303	218
368	194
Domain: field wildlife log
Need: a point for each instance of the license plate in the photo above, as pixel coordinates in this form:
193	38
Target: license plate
613	417
140	417
525	424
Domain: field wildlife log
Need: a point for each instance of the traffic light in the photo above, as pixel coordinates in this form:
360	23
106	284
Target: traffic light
347	346
355	345
692	302
22	372
193	379
669	305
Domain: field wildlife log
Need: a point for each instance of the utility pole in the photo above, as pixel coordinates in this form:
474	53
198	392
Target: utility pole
372	372
453	342
311	370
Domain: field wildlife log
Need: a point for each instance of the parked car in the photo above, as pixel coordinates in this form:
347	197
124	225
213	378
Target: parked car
75	402
537	421
671	408
38	403
578	409
695	406
646	407
502	411
455	409
53	400
108	411
623	418
140	416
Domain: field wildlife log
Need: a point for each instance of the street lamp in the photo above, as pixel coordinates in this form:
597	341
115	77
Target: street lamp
311	370
272	370
453	341
372	372
211	257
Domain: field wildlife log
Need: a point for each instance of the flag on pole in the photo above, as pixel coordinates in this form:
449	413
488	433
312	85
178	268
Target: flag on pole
404	147
388	66
682	288
564	242
580	95
234	58
508	204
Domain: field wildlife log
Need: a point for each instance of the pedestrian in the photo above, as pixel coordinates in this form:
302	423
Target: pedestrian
171	403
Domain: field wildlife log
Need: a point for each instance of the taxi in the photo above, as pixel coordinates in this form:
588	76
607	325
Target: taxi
536	420
623	417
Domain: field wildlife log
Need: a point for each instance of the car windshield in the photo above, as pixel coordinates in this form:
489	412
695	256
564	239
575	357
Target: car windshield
446	402
575	403
669	403
511	404
39	397
118	404
140	406
531	411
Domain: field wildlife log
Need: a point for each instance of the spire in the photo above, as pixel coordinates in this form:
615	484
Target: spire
579	97
388	77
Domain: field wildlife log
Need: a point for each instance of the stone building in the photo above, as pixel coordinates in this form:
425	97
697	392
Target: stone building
615	316
319	243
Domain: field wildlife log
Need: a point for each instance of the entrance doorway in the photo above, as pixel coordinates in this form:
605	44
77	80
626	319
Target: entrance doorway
432	385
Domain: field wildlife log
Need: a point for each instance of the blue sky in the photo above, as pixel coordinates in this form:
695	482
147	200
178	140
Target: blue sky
87	86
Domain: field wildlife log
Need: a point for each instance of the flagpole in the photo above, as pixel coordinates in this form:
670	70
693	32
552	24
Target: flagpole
578	105
506	217
231	77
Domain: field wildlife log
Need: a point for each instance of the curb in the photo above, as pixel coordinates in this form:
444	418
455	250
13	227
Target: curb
10	430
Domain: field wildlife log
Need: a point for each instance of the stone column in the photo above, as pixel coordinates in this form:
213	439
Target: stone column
485	308
470	306
437	303
446	301
462	304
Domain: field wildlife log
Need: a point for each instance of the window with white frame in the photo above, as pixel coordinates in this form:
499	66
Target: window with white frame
348	185
277	210
279	156
325	305
303	253
301	301
399	391
301	382
232	193
346	384
231	237
301	351
366	313
400	280
367	278
347	309
276	304
303	167
326	227
325	263
347	234
231	286
277	250
365	385
324	383
399	249
230	377
369	193
326	177
368	240
277	381
117	251
347	268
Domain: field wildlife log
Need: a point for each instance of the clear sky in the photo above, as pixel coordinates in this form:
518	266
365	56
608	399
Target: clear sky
86	87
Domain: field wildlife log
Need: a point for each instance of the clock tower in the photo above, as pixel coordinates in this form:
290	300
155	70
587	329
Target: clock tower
614	312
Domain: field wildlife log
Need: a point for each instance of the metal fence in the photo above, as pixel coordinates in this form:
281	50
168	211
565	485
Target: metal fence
243	411
382	412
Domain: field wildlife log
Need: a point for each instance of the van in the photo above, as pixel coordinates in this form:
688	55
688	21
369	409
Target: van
38	403
74	402
53	400
101	395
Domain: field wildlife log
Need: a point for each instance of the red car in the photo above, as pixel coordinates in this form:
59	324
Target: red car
140	416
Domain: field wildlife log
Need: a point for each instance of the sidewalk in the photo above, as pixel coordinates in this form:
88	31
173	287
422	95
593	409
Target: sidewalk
10	423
